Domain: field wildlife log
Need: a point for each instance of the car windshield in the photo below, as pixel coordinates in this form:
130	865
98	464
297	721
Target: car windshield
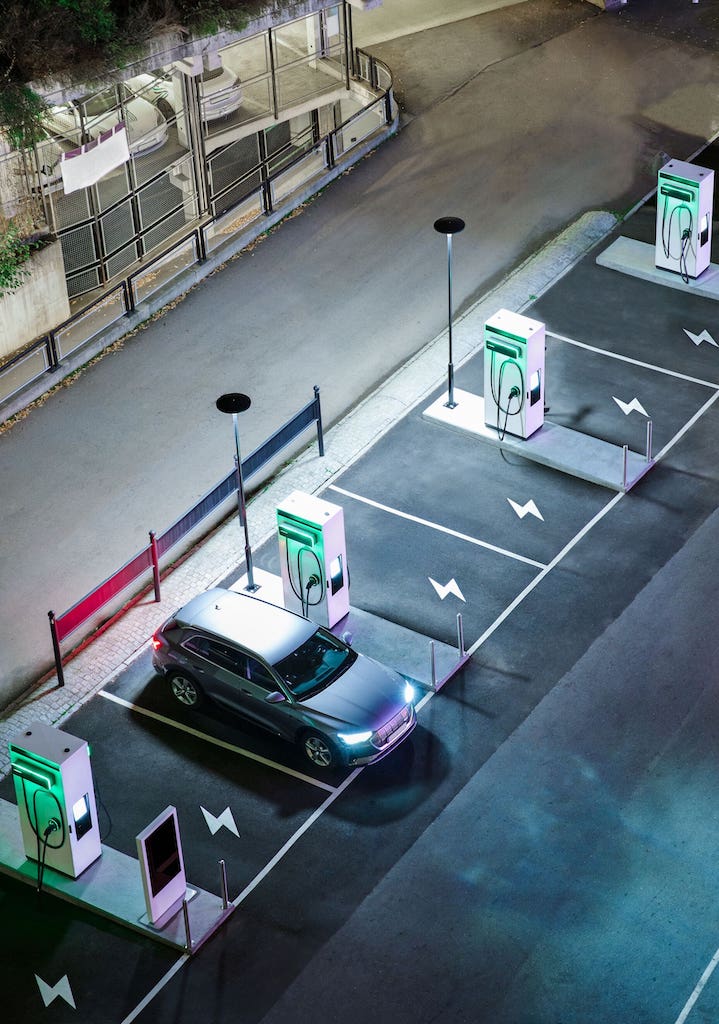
315	664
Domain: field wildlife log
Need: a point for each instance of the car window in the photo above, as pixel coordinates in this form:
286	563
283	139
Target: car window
315	664
260	675
222	655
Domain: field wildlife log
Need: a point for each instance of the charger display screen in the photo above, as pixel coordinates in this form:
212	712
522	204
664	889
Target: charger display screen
81	816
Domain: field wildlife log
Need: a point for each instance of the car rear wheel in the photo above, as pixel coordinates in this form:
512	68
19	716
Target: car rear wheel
186	690
318	749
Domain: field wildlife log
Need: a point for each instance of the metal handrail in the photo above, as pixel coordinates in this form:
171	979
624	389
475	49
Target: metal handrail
126	283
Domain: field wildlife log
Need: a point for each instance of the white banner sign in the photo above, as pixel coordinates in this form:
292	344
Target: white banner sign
86	165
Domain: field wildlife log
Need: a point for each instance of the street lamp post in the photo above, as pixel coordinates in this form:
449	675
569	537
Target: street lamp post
449	226
235	403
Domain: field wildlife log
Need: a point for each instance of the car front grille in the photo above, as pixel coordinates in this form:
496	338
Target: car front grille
384	734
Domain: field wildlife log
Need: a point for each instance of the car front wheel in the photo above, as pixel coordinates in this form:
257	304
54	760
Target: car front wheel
186	690
318	749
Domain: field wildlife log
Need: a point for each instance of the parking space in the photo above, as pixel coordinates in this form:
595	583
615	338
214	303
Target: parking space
62	964
622	314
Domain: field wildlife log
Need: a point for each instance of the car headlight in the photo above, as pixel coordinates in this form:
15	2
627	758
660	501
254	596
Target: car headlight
409	693
351	738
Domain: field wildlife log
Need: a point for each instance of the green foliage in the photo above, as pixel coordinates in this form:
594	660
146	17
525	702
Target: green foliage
21	112
81	40
207	17
14	258
94	19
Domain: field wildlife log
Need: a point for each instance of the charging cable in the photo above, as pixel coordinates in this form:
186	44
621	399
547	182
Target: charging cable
685	236
516	392
42	839
53	825
302	589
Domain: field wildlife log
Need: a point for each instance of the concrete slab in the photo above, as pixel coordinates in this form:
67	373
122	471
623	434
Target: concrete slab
630	256
111	887
553	445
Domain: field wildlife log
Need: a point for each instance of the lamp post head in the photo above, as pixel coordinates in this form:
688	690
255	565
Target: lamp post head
233	402
449	225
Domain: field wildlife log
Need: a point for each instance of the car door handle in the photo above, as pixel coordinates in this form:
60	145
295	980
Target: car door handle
248	692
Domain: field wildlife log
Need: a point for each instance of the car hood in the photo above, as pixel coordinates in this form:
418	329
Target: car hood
366	696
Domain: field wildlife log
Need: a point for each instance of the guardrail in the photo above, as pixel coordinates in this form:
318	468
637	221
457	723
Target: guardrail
62	625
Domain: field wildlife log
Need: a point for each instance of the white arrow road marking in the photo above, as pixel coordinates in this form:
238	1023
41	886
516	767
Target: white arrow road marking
528	509
450	588
215	824
51	992
634	406
699	338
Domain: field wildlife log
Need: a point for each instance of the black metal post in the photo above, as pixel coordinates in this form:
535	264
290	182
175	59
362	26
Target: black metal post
235	403
54	359
56	649
449	226
155	565
318	417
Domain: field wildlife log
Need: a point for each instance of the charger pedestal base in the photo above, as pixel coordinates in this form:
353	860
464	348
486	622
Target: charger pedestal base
552	445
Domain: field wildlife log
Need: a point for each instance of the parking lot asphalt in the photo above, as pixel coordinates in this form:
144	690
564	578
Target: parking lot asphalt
541	849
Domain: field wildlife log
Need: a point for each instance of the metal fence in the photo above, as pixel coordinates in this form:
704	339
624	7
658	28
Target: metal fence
277	177
62	625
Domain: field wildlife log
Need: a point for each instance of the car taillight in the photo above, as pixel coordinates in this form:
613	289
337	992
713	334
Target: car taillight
156	642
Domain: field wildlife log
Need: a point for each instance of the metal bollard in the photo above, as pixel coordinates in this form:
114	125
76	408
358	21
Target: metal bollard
460	635
649	440
223	885
188	937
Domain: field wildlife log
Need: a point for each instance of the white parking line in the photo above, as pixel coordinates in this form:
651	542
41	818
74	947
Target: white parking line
297	835
698	990
634	362
436	526
217	743
167	976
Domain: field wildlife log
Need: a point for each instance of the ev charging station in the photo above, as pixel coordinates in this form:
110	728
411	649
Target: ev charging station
685	197
56	799
513	374
313	558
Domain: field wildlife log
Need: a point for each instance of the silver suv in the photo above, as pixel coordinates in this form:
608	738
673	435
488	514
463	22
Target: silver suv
286	674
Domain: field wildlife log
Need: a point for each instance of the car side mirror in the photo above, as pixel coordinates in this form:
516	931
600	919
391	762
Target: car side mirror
347	638
275	697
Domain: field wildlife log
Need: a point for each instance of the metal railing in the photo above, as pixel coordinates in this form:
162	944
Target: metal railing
62	625
121	298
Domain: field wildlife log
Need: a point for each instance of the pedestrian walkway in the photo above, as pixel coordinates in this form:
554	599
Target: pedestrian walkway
110	651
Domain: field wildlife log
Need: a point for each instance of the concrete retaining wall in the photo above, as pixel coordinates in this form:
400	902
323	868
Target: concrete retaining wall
39	304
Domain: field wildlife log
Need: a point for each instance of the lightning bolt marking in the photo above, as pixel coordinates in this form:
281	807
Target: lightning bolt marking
448	588
216	823
634	406
51	992
529	508
699	338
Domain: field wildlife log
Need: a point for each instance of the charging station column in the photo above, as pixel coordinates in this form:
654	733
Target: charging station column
55	798
313	558
685	201
513	374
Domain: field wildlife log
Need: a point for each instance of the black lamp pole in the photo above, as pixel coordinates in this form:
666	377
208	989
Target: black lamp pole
235	403
449	226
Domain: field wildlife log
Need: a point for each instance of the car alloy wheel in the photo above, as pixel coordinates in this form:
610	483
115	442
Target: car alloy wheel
318	749
186	690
